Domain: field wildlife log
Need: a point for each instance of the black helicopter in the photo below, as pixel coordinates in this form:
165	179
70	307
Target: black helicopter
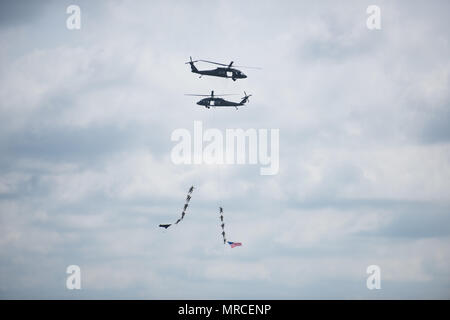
227	72
212	101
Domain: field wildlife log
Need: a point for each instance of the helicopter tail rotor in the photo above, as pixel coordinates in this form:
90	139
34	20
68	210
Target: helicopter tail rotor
193	67
246	97
191	61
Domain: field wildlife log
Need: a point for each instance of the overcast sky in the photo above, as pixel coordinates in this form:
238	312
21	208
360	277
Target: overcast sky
86	176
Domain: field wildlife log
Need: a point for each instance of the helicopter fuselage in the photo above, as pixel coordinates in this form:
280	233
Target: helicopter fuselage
222	72
218	102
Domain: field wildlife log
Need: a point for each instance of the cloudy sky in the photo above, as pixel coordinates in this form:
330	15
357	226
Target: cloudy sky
86	175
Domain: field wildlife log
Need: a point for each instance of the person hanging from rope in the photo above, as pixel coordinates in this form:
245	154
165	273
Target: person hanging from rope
186	205
224	239
232	244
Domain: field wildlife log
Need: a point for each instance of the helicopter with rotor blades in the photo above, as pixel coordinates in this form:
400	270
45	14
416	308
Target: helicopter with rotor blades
213	101
225	72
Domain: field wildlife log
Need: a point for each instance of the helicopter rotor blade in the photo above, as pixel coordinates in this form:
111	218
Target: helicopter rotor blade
190	58
209	95
247	67
229	65
220	64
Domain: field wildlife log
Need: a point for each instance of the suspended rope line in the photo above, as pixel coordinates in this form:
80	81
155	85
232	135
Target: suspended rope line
209	120
183	213
222	224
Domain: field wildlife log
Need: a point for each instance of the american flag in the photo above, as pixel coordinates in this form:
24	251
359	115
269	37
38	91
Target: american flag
234	244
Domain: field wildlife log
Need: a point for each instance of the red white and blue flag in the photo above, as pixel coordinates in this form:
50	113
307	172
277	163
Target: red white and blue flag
234	244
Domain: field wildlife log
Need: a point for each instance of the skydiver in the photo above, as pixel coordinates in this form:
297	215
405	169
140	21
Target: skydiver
191	189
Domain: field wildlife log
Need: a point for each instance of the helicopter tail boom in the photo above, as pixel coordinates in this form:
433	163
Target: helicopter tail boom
193	67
